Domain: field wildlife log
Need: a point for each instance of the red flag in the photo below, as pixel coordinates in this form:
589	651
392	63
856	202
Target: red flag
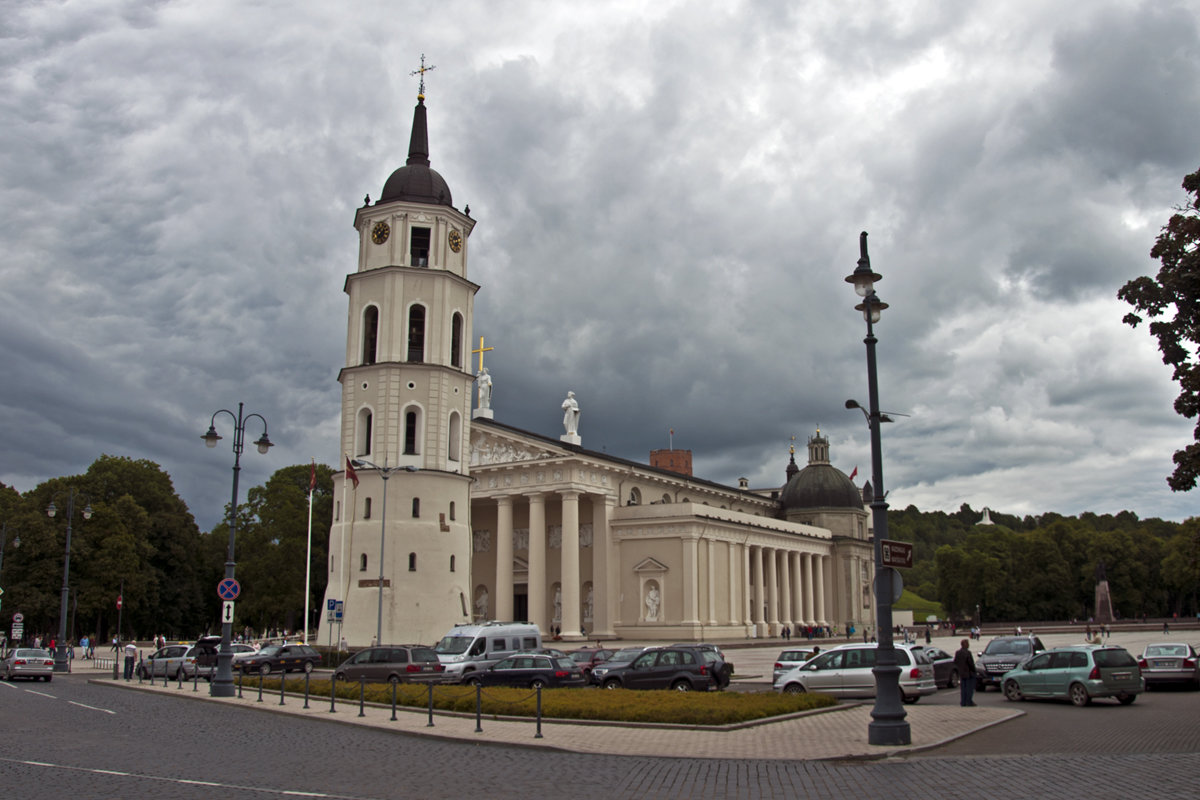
350	473
312	477
855	472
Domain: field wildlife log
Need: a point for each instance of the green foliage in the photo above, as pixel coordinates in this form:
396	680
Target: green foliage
921	608
1172	301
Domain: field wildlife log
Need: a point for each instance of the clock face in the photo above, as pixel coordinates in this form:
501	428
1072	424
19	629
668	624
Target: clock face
455	241
380	233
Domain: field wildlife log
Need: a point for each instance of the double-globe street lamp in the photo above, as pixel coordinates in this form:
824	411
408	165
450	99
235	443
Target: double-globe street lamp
888	725
385	472
222	684
61	661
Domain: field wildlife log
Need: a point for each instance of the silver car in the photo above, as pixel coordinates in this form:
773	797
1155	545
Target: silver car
28	662
174	661
1170	662
845	671
792	658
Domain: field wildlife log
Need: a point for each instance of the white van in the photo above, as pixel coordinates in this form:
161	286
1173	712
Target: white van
471	648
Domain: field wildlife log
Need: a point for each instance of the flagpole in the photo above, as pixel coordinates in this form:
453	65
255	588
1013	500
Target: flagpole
312	485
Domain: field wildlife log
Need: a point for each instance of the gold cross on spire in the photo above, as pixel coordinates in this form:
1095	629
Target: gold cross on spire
421	72
792	448
481	351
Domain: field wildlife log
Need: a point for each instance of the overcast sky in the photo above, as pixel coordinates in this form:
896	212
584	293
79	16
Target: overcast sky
668	196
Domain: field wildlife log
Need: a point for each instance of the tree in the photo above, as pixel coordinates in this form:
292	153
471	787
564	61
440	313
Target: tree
1172	301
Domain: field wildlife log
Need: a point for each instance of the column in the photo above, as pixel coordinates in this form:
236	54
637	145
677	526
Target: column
772	592
735	587
819	589
785	586
538	613
797	590
747	586
809	617
570	565
756	603
603	583
712	583
504	559
690	577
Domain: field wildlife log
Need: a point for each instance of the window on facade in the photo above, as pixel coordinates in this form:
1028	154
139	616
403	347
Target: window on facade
412	562
337	510
416	333
456	338
453	446
451	510
370	334
635	496
452	563
416	507
362	563
411	418
367	508
365	432
419	250
666	498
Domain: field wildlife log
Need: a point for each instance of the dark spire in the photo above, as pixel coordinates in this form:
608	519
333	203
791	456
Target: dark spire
792	469
418	143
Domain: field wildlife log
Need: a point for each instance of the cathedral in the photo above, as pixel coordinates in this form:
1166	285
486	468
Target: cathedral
444	515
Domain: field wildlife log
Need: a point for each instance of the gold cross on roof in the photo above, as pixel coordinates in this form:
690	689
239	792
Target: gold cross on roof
421	72
481	351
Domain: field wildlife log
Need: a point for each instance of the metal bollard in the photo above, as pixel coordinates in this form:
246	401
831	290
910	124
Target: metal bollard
179	677
332	692
362	692
115	677
196	678
430	724
478	707
538	735
240	676
394	701
260	683
282	683
306	677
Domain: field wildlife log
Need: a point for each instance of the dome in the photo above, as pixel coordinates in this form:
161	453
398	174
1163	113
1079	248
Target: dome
820	486
416	181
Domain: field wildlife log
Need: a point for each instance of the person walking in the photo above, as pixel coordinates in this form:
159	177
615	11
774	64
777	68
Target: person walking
964	665
130	658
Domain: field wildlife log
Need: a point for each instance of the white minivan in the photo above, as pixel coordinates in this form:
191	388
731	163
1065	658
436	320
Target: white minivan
470	648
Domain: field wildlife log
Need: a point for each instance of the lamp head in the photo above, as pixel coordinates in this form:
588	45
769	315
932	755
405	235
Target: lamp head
211	438
862	277
17	542
264	444
87	511
871	307
51	510
852	404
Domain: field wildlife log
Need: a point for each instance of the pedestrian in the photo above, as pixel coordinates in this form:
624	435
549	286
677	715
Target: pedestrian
83	644
928	636
964	665
342	645
1166	627
130	657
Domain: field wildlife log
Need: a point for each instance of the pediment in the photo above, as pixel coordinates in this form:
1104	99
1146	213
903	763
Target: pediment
492	448
650	564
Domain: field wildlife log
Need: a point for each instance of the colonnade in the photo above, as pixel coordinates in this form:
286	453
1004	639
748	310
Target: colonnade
787	587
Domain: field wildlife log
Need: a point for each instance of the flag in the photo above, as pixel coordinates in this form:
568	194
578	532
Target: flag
350	473
312	477
852	474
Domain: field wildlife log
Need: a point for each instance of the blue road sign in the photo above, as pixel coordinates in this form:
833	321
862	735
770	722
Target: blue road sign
330	604
228	589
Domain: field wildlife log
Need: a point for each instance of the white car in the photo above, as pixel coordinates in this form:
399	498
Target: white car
845	671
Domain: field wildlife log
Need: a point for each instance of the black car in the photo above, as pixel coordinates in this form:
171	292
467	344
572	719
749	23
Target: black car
680	668
533	670
723	671
280	658
1002	654
944	673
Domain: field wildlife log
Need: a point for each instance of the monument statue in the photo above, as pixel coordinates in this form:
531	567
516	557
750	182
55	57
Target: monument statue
652	600
484	380
571	414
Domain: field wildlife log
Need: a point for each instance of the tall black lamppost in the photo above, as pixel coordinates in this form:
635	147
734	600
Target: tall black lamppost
222	685
888	724
61	662
3	544
385	473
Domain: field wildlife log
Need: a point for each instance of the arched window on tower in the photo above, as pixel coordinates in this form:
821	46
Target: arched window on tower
365	432
367	508
451	510
416	508
412	432
370	334
454	443
456	340
416	333
362	563
419	251
452	563
412	562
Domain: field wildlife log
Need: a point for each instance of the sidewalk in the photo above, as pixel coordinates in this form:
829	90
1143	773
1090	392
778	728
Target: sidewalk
831	734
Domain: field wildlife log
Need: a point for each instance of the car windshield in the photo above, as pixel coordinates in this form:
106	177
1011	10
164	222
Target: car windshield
1166	650
32	653
270	650
1019	647
454	645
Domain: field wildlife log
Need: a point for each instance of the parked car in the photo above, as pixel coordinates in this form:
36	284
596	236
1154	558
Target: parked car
944	673
791	658
533	670
1171	662
28	662
713	654
589	657
621	658
1002	654
680	668
280	658
1077	673
845	671
400	663
175	661
204	652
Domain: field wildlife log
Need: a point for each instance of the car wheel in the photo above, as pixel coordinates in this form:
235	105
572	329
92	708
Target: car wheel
339	676
471	680
980	686
49	678
265	669
1126	699
681	686
537	683
794	688
909	698
612	683
394	680
953	682
308	666
1079	695
1012	691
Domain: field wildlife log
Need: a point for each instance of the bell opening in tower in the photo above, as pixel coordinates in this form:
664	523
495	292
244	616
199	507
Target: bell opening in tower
419	247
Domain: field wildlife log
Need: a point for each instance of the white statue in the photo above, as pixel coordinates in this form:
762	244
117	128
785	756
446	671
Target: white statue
652	604
481	603
571	414
485	388
587	604
557	603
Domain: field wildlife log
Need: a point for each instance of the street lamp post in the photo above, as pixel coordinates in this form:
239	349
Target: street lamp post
4	543
888	725
61	662
385	473
222	684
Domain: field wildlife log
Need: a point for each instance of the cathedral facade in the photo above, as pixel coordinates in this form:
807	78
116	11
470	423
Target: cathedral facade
445	515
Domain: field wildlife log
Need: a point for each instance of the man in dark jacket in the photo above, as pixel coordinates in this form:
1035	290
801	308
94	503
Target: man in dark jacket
964	665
